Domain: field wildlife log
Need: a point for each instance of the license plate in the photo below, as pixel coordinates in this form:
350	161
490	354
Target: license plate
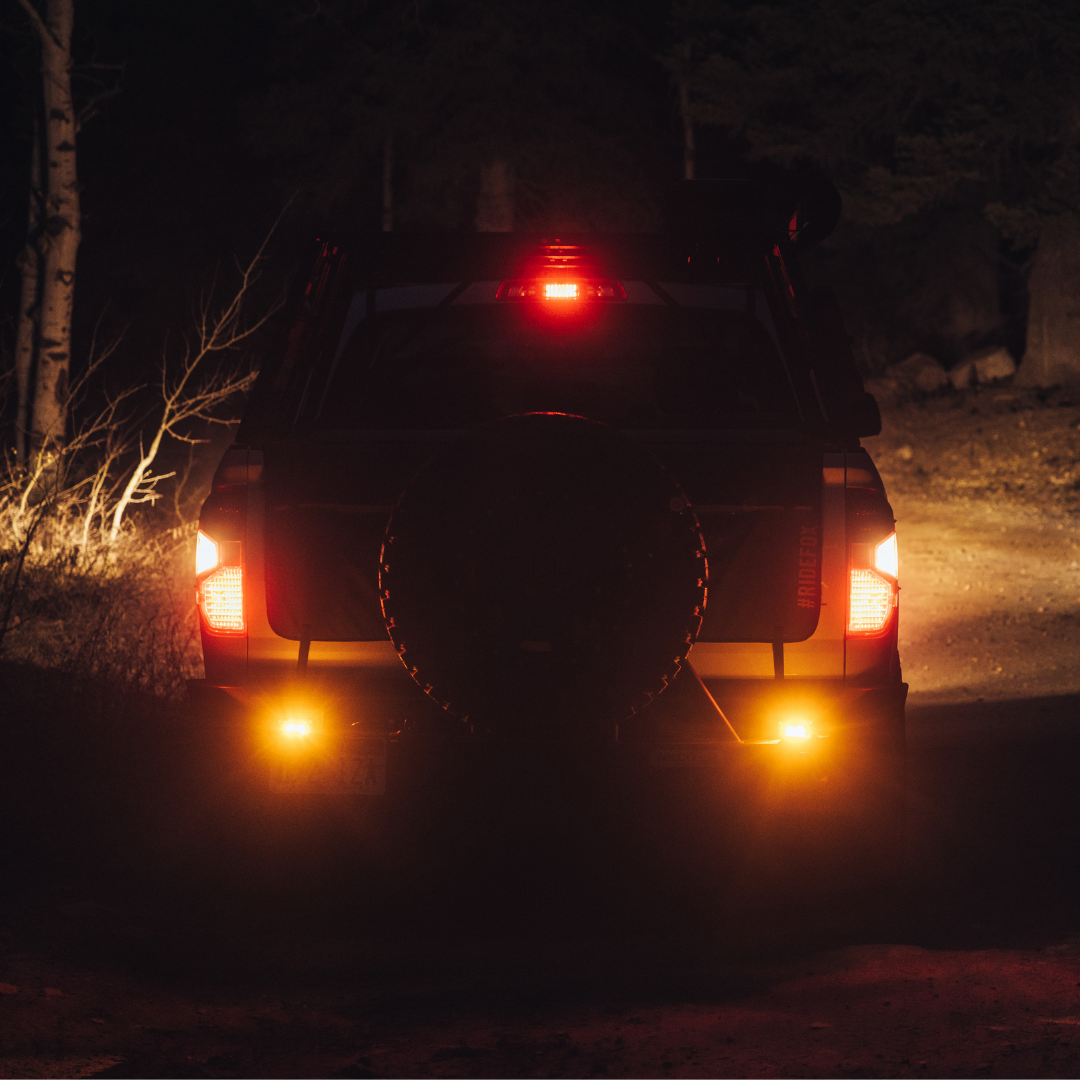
355	769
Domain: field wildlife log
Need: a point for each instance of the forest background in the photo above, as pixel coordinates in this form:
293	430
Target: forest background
950	127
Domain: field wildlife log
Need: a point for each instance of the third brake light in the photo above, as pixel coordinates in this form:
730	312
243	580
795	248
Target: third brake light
561	289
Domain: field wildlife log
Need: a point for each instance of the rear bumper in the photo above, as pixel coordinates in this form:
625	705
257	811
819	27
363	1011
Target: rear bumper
699	777
683	729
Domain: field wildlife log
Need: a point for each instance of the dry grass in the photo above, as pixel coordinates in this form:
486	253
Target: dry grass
121	613
114	608
93	581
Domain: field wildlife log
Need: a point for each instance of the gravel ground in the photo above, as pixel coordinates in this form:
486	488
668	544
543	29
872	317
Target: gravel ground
856	1011
986	490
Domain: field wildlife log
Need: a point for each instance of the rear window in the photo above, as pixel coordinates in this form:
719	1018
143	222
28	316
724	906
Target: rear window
635	366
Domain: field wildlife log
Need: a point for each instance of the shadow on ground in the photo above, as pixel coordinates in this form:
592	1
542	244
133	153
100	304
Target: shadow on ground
152	805
134	848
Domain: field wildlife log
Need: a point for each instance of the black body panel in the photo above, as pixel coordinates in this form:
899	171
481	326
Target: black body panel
327	504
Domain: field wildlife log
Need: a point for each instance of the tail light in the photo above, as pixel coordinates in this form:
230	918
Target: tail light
873	587
221	600
219	569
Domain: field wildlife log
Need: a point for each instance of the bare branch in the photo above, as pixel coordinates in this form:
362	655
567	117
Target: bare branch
89	109
43	28
182	401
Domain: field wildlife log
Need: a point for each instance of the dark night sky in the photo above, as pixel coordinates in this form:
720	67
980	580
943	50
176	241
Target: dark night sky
171	183
226	109
167	190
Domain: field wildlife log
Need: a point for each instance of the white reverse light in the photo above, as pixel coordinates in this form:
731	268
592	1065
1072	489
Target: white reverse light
206	554
886	557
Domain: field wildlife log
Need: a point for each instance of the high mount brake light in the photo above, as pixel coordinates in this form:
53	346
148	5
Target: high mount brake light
558	291
561	289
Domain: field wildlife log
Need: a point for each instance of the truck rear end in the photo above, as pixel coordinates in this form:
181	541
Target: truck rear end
704	361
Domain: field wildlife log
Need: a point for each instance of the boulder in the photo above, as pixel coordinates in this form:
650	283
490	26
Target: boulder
920	373
993	364
963	375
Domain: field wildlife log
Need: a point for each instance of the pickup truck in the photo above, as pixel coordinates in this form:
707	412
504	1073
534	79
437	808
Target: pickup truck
601	492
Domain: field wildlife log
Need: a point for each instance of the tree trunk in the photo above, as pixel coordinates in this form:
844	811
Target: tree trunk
62	228
30	299
1053	335
495	206
689	149
388	184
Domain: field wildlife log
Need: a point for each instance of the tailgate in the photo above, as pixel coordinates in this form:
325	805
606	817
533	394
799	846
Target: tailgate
327	504
759	505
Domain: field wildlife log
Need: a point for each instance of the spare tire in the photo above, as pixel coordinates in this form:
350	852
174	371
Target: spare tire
543	575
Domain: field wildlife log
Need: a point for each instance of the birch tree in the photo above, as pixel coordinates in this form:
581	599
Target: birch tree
47	385
29	263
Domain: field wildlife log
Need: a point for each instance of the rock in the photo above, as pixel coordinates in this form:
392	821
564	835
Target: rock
885	390
963	375
920	372
983	367
994	364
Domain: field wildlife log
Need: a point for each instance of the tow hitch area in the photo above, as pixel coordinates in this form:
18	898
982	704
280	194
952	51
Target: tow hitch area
307	759
356	768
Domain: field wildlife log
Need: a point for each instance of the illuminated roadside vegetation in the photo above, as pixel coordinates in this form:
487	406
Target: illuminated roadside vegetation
109	610
96	541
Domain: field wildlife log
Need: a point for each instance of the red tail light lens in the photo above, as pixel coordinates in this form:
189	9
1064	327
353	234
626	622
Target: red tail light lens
219	575
873	587
221	599
871	602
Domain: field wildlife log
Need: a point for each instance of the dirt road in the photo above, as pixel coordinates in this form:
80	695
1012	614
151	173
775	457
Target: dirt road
971	968
990	605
